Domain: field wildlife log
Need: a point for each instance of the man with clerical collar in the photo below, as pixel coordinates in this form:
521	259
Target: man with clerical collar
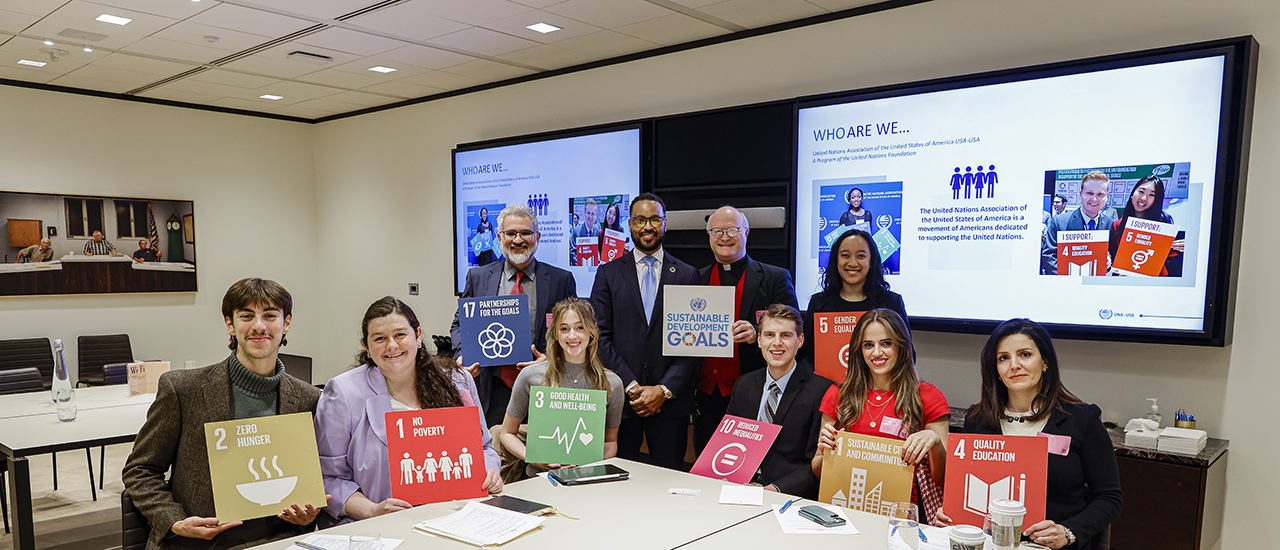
42	252
518	273
757	285
787	396
251	382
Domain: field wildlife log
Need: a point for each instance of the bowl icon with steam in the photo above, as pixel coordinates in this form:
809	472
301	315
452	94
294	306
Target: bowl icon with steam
270	490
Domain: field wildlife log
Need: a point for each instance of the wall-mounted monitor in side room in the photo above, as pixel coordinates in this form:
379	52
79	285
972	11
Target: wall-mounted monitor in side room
90	244
978	192
579	183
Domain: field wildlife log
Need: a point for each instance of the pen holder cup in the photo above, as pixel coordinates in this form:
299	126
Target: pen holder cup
1188	424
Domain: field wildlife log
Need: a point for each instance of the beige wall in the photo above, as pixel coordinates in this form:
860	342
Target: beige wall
393	169
252	183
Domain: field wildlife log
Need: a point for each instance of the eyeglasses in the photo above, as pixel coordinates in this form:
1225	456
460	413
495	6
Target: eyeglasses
730	231
526	235
641	222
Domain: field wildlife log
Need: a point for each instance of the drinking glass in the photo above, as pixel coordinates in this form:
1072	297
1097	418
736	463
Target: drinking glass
904	523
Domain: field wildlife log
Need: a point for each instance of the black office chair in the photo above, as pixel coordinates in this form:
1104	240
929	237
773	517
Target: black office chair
444	345
96	352
134	529
28	352
297	366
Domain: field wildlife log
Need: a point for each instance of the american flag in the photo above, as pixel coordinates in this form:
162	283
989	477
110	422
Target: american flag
151	229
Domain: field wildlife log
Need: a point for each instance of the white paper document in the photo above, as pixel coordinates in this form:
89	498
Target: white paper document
481	525
794	524
742	494
341	542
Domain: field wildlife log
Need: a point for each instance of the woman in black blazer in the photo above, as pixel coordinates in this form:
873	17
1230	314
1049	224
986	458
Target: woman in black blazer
1022	394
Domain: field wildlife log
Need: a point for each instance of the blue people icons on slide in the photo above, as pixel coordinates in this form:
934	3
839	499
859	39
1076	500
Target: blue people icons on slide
974	183
539	203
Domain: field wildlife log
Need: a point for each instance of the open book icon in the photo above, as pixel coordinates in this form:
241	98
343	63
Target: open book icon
1086	268
977	493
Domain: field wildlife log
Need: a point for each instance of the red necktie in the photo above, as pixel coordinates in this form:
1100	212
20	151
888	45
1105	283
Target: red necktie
509	372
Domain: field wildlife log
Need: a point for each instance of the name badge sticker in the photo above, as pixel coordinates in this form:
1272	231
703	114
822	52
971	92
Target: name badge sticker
890	425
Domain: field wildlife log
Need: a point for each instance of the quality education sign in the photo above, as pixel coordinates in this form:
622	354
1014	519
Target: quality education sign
697	321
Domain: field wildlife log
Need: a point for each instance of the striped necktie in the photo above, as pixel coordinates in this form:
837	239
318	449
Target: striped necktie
771	408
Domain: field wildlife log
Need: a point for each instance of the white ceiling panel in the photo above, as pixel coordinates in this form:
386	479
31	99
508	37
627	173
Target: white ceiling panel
227	40
758	13
33	7
569	28
323	9
12	21
171	94
539	4
328	104
416	20
163	8
473	12
232	78
483	41
99	84
609	13
696	4
361	67
548	57
402	89
606	44
93	72
293	92
362	99
837	5
669	30
487	71
252	21
26	48
442	80
342	79
245	104
208	88
424	56
81	15
9	69
143	64
175	50
352	42
274	62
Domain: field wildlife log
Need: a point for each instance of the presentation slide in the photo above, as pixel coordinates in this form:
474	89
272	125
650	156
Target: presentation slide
1082	199
580	187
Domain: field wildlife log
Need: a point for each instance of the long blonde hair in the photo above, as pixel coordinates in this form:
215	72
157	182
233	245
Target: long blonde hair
555	354
904	381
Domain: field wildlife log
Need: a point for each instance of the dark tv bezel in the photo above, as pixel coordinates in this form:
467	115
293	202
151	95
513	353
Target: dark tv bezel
1227	213
643	154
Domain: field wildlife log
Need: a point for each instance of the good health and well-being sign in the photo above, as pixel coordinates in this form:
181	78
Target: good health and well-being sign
697	321
495	329
566	425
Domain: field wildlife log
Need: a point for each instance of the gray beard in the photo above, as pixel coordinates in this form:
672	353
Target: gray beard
518	258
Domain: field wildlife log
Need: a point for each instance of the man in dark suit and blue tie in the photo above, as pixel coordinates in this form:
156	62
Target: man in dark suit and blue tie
518	273
627	297
787	396
1091	216
757	285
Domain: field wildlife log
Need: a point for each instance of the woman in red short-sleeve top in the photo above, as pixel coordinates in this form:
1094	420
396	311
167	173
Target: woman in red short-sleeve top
882	396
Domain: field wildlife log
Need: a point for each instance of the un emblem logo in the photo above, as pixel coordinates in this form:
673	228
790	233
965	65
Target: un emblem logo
698	304
1105	314
497	341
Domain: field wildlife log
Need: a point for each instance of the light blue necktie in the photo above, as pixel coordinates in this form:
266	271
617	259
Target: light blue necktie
649	289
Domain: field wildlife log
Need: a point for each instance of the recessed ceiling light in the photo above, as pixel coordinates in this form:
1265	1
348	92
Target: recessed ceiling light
271	97
381	69
107	18
543	28
48	42
32	63
88	49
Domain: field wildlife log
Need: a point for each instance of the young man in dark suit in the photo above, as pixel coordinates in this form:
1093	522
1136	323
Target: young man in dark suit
1091	216
792	405
627	297
757	285
249	383
518	273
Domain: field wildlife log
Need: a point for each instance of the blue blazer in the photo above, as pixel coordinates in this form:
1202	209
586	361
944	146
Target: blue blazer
631	346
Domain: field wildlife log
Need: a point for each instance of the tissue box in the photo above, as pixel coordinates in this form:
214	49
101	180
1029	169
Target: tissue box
1142	439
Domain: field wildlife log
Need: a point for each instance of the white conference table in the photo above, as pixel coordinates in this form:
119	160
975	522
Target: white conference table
29	426
638	513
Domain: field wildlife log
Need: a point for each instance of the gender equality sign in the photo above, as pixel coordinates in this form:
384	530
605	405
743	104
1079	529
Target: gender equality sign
831	335
983	468
495	329
697	321
865	473
566	426
259	466
736	449
1144	246
435	455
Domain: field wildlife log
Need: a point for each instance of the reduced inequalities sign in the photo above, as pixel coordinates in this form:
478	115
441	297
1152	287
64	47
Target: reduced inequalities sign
697	321
495	329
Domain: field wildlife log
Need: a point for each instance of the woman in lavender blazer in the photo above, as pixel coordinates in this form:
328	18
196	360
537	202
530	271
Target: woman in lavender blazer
395	374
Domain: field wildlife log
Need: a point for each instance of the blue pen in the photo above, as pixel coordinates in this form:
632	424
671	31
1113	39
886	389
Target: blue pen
783	510
922	537
552	479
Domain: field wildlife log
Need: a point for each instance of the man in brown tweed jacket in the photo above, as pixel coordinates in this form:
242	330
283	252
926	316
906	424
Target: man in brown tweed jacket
250	382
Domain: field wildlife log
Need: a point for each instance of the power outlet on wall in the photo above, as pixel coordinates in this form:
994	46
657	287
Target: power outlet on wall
413	289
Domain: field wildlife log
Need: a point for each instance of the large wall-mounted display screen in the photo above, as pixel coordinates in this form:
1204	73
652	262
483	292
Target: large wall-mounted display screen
580	187
1091	197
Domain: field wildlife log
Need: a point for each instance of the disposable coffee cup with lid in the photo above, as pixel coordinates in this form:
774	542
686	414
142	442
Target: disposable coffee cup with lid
967	537
1006	522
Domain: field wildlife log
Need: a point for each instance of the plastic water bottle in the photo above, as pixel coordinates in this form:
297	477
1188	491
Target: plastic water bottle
64	395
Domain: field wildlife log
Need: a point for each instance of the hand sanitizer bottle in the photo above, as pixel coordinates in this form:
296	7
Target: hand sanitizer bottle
1155	411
